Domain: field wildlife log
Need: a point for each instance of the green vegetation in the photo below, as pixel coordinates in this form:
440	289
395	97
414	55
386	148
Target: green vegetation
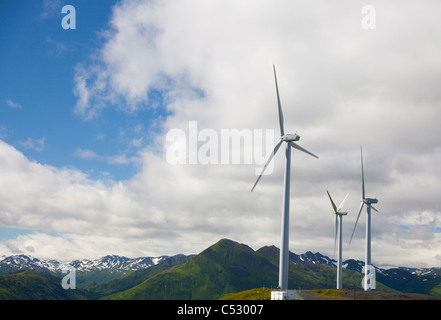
228	267
226	270
28	285
222	268
135	278
252	294
436	291
333	293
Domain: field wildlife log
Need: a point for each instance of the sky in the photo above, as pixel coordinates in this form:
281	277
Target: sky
114	123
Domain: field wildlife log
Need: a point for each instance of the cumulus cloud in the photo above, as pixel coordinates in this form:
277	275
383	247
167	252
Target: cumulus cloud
341	87
143	215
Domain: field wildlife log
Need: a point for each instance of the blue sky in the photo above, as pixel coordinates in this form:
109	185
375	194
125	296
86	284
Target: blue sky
84	115
38	60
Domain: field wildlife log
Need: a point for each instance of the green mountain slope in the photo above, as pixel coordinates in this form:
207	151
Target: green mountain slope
135	278
228	267
310	275
28	285
225	267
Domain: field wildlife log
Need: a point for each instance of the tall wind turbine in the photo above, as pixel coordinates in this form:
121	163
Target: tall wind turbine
338	234
289	139
368	269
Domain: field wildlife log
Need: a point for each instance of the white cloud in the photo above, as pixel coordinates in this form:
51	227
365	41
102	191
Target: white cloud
13	105
85	154
121	159
118	159
50	9
341	87
34	144
90	95
57	48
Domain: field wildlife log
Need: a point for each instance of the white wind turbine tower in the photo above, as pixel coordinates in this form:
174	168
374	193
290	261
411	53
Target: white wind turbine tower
338	234
369	276
289	139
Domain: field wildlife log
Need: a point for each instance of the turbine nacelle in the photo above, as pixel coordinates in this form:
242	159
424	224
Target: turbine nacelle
341	213
290	137
369	200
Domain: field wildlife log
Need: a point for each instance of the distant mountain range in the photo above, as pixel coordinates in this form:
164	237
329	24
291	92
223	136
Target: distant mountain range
88	271
110	262
222	268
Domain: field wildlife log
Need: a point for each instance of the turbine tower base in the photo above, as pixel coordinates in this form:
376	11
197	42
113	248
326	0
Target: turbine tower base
282	295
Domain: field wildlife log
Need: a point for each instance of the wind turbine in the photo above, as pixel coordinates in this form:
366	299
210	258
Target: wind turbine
338	233
368	269
289	139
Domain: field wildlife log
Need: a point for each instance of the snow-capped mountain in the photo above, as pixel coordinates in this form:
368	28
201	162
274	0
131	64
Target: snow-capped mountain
315	258
110	262
423	271
25	262
116	262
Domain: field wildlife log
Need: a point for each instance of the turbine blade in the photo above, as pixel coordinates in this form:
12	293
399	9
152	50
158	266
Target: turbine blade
332	202
268	161
361	208
335	237
362	173
282	131
296	146
342	203
372	207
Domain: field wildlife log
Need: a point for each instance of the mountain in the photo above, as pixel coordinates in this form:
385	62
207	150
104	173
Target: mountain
311	270
222	268
24	262
412	280
28	278
89	272
228	266
114	262
29	285
136	277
